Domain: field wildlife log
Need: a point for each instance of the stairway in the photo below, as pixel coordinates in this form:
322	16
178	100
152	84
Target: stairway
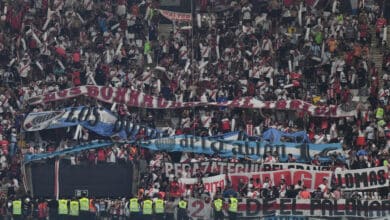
377	52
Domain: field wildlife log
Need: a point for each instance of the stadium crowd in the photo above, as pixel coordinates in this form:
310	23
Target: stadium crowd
260	49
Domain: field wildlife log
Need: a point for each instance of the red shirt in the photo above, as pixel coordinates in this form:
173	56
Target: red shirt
101	155
76	78
76	57
380	23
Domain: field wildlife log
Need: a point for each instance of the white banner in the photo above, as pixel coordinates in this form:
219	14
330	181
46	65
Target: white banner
261	208
226	167
211	184
310	179
361	179
138	99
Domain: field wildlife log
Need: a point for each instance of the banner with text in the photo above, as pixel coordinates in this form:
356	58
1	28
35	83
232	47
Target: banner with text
176	16
218	167
253	149
98	120
139	99
361	179
211	184
310	179
260	208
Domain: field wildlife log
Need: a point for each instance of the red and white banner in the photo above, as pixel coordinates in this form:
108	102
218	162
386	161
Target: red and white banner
176	16
310	179
211	184
138	99
286	207
227	167
361	179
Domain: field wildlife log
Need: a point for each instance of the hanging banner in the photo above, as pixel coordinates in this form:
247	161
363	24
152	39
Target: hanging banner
176	16
297	208
274	135
218	167
137	99
211	184
103	143
310	179
361	179
67	151
98	120
252	149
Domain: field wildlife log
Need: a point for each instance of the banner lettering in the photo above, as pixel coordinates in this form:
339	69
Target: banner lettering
139	99
218	167
310	179
361	179
297	208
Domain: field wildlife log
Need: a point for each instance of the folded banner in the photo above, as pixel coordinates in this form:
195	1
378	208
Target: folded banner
361	179
139	99
211	184
97	144
98	120
176	16
87	146
297	208
310	179
253	149
218	167
274	135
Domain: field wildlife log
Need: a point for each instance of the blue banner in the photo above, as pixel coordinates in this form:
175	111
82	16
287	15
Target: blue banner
227	147
68	151
98	120
274	135
303	152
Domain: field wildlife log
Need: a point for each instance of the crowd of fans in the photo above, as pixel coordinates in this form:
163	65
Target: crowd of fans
261	49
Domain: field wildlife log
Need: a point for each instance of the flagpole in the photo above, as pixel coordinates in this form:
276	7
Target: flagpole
192	55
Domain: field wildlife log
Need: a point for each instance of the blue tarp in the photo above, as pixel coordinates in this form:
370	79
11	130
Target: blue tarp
273	135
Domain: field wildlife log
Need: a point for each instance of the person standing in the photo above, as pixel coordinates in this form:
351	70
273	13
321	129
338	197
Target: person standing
233	207
159	208
17	209
42	209
74	209
182	211
147	209
84	207
217	206
134	208
63	209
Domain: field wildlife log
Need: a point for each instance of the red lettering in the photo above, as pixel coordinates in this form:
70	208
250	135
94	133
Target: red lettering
267	104
92	91
188	104
75	91
295	104
247	102
133	98
235	103
162	103
120	95
62	93
49	97
106	92
148	101
283	174
319	178
333	110
304	176
175	105
281	104
306	107
320	110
